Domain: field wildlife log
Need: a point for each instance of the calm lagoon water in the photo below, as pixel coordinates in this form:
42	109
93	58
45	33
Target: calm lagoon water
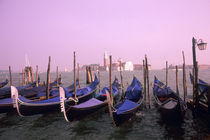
146	124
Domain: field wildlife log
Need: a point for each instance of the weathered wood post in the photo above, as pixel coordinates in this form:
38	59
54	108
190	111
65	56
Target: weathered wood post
10	75
29	76
57	76
193	73
121	77
37	75
23	80
78	74
184	78
166	73
177	83
110	79
147	72
99	79
144	75
48	80
32	75
91	74
75	87
88	78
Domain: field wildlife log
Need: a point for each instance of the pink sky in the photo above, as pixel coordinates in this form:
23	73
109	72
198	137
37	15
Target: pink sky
126	29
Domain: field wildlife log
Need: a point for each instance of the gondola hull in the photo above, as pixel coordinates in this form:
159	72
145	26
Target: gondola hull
78	113
27	109
121	118
4	108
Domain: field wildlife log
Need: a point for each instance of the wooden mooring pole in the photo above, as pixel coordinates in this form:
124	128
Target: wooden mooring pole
91	74
37	75
184	78
144	75
75	87
88	78
121	77
48	80
147	75
57	76
177	82
110	79
23	78
78	74
99	79
10	75
166	73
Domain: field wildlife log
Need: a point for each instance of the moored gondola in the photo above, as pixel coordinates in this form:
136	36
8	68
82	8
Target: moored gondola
129	105
90	106
6	104
4	83
27	107
169	103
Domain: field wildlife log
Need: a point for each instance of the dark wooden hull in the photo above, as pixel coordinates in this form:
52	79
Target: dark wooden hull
121	118
175	113
73	113
27	109
4	108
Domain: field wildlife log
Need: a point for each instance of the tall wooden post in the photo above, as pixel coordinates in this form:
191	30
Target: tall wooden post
177	82
144	74
78	74
75	87
29	75
147	72
91	74
32	75
88	78
196	71
23	80
110	79
57	76
37	75
166	73
10	75
48	79
193	73
184	78
121	77
99	79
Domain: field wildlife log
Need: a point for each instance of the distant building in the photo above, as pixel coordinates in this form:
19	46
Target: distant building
128	66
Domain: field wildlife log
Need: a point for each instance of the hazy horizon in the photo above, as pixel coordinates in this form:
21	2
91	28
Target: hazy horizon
125	29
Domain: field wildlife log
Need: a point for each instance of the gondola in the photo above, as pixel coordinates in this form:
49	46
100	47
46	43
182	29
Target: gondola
4	83
171	106
27	107
6	104
203	97
129	105
90	106
6	91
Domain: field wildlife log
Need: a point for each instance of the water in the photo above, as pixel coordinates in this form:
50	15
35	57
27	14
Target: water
146	124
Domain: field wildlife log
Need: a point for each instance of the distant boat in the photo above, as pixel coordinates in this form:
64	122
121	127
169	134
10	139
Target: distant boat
89	106
170	105
27	107
130	104
4	83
